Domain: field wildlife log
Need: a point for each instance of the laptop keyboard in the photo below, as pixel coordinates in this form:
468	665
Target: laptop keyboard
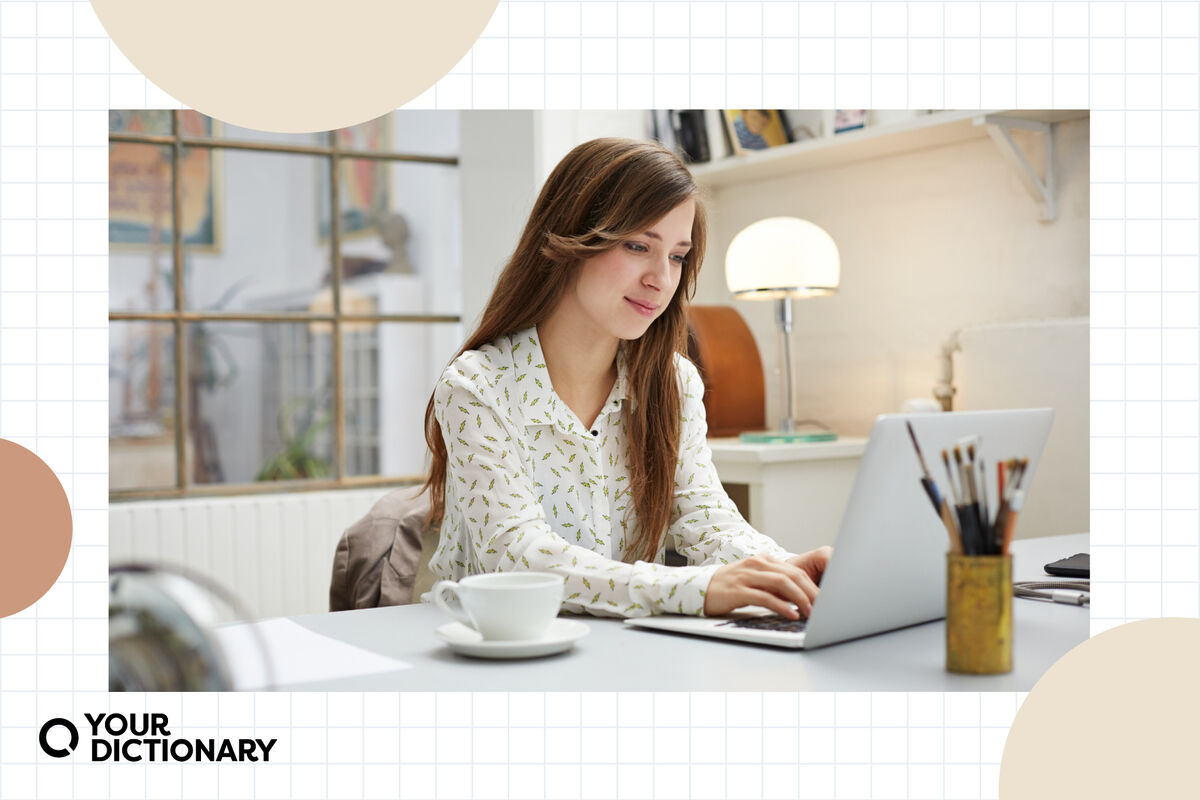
772	623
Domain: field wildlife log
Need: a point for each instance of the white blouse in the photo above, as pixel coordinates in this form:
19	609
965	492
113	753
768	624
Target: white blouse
529	487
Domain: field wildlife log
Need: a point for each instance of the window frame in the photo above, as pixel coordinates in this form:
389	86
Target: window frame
177	141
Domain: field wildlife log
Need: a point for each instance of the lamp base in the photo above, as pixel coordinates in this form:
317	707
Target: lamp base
778	437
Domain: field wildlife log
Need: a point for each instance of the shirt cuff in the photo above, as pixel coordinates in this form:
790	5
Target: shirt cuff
672	590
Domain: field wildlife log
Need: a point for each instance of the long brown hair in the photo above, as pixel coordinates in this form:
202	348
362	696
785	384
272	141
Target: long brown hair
600	194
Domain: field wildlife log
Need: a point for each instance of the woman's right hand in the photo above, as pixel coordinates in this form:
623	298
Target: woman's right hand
761	581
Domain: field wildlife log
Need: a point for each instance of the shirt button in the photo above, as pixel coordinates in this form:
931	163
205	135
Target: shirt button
595	433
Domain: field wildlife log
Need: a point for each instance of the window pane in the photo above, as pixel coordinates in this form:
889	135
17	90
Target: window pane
424	133
261	398
401	220
266	254
226	131
141	405
388	373
140	227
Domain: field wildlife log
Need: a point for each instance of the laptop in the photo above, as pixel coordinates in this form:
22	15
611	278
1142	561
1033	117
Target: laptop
888	568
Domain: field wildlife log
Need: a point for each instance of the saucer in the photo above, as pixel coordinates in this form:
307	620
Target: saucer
560	636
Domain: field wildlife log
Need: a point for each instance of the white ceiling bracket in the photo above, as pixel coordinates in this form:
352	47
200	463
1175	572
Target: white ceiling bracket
1042	189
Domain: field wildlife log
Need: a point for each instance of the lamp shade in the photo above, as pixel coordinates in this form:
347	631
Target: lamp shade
782	257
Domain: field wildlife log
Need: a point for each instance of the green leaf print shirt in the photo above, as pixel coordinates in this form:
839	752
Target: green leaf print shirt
528	487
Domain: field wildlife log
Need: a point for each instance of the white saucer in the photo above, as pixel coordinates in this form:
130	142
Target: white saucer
560	636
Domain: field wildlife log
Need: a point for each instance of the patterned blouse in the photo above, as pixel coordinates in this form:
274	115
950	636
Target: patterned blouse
529	487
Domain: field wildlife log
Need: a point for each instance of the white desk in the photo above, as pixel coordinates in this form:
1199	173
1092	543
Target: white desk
615	656
812	477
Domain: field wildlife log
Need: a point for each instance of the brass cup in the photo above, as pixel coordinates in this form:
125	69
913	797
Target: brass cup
978	614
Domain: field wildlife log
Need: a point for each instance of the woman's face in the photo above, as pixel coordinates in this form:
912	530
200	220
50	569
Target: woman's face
621	291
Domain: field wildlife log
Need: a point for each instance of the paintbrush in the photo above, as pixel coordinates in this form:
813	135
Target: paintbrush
981	505
968	517
926	479
950	477
940	506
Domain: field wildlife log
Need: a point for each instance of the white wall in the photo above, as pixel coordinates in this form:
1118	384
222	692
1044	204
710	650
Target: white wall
559	131
1037	365
499	185
505	158
931	241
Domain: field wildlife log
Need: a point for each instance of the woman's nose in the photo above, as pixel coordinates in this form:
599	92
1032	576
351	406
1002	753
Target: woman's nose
661	274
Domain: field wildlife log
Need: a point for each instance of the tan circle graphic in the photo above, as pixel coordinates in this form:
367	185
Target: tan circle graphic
282	65
35	534
1115	718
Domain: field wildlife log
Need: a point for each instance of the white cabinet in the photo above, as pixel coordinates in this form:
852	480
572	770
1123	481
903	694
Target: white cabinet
794	493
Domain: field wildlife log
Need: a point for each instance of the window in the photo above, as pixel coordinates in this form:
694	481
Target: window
240	359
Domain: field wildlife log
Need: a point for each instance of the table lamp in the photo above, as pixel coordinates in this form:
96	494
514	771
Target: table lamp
777	259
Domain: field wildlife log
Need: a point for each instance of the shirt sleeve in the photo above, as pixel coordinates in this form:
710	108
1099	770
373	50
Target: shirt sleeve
706	527
497	503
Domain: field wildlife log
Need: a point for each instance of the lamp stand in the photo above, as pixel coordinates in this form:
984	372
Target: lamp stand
787	425
783	318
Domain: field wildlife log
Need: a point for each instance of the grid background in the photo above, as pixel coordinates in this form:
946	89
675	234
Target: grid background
1137	65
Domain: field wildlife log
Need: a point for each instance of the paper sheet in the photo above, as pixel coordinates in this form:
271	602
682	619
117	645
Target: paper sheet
297	655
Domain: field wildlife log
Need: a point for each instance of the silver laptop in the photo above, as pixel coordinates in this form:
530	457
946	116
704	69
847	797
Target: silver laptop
888	569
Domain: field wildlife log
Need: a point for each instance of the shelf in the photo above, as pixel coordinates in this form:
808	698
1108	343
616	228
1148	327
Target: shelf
932	130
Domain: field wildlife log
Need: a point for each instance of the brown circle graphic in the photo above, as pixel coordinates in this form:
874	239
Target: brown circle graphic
280	65
1114	718
35	535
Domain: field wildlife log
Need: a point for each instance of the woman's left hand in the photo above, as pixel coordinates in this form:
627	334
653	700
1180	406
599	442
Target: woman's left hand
813	562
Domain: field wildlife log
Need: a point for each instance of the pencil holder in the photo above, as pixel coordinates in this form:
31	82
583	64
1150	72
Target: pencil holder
978	614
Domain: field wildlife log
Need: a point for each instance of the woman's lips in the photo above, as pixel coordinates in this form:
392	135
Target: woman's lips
641	308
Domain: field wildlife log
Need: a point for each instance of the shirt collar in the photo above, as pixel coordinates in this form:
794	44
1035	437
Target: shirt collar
540	402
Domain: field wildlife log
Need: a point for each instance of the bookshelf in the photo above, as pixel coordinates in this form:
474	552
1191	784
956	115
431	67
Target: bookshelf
931	130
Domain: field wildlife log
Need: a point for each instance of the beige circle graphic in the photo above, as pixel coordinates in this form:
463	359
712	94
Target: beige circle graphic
35	535
282	65
1117	717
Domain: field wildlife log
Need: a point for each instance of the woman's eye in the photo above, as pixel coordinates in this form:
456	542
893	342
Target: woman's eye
680	260
636	247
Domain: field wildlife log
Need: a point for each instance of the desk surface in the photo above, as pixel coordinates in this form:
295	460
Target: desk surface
615	656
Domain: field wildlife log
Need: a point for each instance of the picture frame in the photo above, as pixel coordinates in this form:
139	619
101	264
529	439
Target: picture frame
756	129
140	174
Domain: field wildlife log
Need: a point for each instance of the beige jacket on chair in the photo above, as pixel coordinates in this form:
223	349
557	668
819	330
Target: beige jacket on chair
379	560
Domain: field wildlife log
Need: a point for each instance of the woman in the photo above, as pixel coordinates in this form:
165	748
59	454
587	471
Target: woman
569	434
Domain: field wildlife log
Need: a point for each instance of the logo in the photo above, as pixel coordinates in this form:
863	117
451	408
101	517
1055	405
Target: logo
145	737
44	738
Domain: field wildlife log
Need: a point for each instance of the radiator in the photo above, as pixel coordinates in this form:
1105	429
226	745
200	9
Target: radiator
274	552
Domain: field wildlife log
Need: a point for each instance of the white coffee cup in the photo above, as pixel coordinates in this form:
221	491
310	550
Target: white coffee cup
503	606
